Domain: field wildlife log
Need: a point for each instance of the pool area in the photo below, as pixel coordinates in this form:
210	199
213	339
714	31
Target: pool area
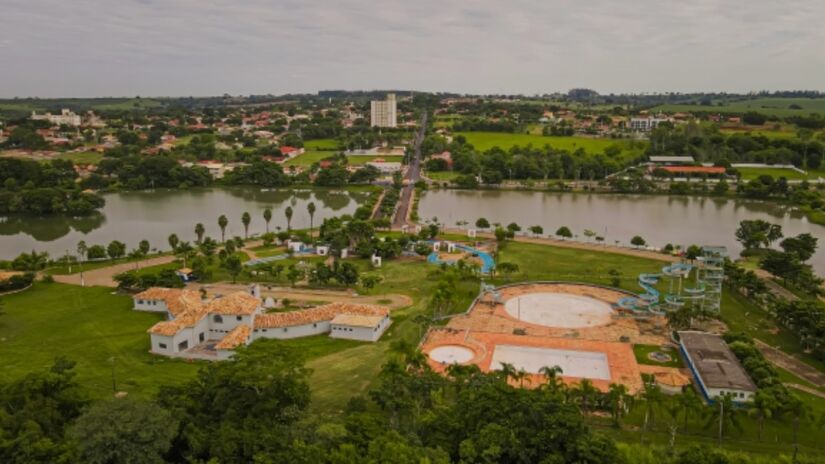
487	261
573	363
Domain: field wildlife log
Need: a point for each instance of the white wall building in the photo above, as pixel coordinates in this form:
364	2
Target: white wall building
383	112
213	330
66	117
386	167
715	367
645	124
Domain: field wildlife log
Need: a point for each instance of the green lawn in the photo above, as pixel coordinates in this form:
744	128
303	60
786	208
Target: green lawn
308	158
90	326
766	105
486	140
443	176
642	352
321	144
753	173
83	157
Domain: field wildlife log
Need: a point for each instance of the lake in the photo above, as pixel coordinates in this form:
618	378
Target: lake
659	219
154	215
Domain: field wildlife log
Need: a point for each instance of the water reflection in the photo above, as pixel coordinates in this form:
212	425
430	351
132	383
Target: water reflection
659	219
153	215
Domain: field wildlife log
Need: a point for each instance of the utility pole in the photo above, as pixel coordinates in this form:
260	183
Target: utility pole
114	379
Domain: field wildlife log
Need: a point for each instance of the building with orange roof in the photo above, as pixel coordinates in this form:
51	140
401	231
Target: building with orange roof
196	329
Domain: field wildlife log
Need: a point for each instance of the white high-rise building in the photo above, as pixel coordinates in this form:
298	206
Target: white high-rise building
382	112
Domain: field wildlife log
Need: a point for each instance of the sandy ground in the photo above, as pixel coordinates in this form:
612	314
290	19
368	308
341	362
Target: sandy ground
104	276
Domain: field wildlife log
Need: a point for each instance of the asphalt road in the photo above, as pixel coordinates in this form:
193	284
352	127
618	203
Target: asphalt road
412	176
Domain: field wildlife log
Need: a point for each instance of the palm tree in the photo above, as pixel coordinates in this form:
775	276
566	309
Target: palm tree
724	413
688	401
185	250
222	223
199	231
144	247
173	242
311	211
507	371
585	390
652	396
267	218
246	219
288	213
800	411
618	397
762	407
82	249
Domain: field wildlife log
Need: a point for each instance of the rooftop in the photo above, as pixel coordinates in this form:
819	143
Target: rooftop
695	169
714	362
326	312
234	303
353	320
178	301
237	336
672	159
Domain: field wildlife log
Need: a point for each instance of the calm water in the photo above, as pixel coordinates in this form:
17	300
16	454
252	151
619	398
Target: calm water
134	216
659	219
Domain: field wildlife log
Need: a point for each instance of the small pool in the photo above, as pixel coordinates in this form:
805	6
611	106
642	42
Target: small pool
487	261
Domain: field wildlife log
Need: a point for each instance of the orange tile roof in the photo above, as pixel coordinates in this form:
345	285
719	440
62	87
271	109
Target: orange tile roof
237	336
234	303
326	312
354	320
178	301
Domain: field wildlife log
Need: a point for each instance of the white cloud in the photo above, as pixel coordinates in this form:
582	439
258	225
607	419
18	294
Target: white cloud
207	47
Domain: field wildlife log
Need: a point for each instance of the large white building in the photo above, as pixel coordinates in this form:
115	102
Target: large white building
715	367
383	112
197	329
646	124
66	117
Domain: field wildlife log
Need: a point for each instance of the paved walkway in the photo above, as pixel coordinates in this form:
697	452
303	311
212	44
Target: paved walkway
104	276
791	364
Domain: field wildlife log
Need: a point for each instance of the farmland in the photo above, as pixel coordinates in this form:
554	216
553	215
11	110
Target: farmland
779	107
483	141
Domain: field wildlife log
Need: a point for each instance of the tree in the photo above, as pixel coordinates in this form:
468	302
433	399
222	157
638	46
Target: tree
693	252
311	211
233	266
96	252
33	261
222	223
564	232
589	233
482	223
619	398
124	430
116	249
507	268
763	406
753	234
267	217
293	274
537	230
173	242
638	241
288	214
615	278
803	246
724	414
144	247
369	281
246	219
199	231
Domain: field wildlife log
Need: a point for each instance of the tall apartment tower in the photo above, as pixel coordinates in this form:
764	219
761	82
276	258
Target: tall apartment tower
382	112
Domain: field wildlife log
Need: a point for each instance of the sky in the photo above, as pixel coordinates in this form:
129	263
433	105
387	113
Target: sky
87	48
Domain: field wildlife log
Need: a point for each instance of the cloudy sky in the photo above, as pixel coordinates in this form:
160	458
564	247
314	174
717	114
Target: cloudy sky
52	48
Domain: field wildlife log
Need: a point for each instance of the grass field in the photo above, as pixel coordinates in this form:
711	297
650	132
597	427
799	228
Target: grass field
363	159
83	157
642	352
308	158
776	173
769	106
91	326
486	140
442	176
321	144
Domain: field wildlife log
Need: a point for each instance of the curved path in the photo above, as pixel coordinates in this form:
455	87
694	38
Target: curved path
104	276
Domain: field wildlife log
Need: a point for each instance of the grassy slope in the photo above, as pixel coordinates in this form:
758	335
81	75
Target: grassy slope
83	157
753	173
90	326
321	144
305	160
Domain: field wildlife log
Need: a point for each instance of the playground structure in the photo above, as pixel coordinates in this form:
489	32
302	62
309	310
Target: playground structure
706	294
487	261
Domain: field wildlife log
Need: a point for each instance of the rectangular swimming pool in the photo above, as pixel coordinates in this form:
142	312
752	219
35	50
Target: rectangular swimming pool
580	364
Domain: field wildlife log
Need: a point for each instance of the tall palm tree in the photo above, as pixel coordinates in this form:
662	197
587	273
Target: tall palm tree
199	231
724	414
267	218
586	391
222	223
311	211
288	213
552	375
688	400
246	219
763	406
185	250
618	397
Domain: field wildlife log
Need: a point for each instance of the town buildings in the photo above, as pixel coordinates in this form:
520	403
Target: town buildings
383	112
66	117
